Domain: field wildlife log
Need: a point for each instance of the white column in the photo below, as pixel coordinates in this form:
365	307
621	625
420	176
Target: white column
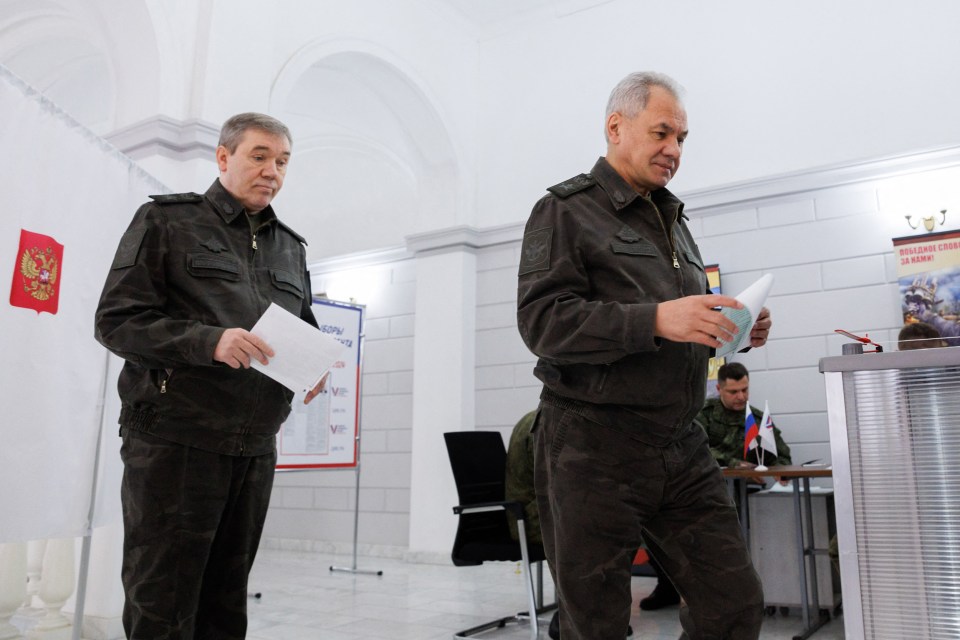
57	582
13	584
443	387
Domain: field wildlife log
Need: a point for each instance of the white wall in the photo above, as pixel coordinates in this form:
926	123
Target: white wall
772	87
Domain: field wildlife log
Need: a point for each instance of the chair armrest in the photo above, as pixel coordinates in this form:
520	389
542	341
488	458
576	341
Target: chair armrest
513	507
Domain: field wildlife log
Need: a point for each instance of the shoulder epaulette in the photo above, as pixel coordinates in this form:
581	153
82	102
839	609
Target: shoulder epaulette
293	233
573	185
177	198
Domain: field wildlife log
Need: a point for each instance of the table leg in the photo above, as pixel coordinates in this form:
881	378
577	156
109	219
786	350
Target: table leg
807	551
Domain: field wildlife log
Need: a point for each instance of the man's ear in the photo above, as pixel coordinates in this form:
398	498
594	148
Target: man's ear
222	154
613	124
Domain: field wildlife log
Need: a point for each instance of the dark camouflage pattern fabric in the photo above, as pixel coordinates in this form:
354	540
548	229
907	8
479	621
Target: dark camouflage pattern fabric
192	522
593	267
185	271
725	434
519	478
600	489
618	456
199	438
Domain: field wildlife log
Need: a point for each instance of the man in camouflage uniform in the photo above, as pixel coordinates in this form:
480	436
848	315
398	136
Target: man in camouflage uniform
723	419
519	478
191	275
612	299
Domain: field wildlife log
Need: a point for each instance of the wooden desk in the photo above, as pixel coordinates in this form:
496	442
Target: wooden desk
806	551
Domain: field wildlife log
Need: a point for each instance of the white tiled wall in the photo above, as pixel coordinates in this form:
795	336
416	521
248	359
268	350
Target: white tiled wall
315	508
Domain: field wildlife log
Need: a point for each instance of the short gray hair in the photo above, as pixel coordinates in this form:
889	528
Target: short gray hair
630	95
233	129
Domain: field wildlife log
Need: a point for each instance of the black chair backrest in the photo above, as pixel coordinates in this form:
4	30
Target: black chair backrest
479	463
478	460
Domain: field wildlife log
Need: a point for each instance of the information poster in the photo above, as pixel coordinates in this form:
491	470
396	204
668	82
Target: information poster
713	281
323	434
928	268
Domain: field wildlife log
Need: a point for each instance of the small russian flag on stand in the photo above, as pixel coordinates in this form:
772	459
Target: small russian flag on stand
750	433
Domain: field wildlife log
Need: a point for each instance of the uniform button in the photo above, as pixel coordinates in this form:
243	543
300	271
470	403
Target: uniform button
618	196
228	208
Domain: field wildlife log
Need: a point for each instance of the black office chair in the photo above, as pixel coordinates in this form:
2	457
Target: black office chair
478	460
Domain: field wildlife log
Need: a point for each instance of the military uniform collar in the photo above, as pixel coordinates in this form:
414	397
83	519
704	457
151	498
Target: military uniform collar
227	206
621	194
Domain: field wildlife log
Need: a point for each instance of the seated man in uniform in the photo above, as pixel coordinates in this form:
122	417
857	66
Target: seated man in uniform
723	418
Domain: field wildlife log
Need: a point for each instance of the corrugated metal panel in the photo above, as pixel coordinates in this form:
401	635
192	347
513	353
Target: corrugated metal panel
903	427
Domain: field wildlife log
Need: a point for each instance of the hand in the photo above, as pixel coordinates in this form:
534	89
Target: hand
237	347
313	393
743	464
761	329
694	319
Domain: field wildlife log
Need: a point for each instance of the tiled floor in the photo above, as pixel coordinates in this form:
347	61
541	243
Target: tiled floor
301	599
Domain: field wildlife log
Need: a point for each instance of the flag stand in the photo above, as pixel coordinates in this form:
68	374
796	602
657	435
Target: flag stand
356	525
84	568
356	471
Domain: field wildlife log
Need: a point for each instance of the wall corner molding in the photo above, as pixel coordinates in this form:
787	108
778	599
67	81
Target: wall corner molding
463	238
746	193
167	137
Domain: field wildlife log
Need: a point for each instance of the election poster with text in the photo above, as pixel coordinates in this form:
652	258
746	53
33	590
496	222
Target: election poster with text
928	269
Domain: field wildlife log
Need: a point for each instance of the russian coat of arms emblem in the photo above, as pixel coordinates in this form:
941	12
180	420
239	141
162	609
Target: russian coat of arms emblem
36	275
39	270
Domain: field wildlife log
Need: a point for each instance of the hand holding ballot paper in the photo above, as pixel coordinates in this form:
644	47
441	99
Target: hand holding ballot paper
724	323
752	319
302	353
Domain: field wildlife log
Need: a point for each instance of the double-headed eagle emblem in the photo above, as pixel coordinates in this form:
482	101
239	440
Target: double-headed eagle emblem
39	270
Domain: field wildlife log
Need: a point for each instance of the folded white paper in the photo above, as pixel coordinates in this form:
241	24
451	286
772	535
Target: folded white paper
302	353
752	299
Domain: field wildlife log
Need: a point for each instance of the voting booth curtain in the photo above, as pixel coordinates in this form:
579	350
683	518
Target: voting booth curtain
67	198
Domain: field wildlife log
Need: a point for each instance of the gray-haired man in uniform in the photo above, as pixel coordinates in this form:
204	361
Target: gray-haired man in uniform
613	299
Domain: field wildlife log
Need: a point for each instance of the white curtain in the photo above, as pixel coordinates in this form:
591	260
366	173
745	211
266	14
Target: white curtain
60	180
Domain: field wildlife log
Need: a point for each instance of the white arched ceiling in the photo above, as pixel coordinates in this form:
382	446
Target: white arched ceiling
373	161
96	59
52	48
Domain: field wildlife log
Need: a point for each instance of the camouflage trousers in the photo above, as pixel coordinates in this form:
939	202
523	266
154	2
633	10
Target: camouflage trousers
192	522
600	488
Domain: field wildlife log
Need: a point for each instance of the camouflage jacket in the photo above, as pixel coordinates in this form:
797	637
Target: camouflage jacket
188	268
519	478
597	258
725	434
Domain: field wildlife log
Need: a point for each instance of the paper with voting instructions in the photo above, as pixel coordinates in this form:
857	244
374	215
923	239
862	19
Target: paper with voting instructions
752	299
302	353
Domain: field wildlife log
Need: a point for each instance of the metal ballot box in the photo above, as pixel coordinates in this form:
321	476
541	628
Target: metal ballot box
895	445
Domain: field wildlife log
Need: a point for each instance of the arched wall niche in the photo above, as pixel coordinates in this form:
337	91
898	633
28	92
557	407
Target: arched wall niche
55	48
98	59
373	159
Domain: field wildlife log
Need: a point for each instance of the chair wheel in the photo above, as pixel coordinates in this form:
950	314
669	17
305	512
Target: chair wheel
771	610
785	611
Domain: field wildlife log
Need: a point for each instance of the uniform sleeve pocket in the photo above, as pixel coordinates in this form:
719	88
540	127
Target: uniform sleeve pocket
287	281
203	265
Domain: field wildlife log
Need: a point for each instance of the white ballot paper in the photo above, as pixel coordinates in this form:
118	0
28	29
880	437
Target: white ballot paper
302	353
752	299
